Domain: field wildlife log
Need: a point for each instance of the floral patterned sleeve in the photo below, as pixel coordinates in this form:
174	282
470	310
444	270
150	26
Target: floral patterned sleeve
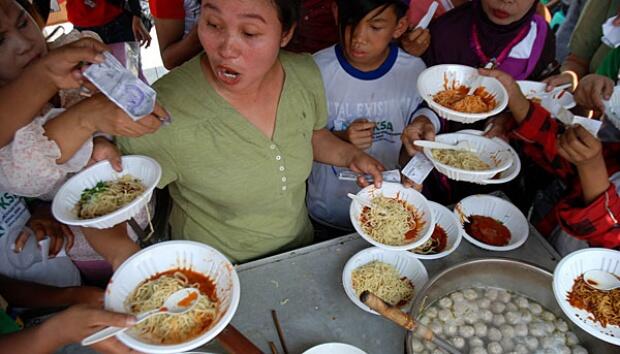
28	164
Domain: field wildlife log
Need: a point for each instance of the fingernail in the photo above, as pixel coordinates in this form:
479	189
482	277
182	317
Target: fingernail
131	321
99	58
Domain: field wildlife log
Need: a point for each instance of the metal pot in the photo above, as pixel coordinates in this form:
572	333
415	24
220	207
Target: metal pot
518	277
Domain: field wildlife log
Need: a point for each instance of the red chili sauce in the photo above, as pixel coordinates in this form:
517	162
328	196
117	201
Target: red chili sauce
205	285
487	230
441	238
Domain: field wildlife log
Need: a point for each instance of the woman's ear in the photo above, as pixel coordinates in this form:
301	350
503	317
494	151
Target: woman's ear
288	35
401	27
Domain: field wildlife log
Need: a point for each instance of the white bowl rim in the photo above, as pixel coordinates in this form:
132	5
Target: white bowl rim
473	240
459	237
223	322
341	345
85	222
477	116
502	167
566	307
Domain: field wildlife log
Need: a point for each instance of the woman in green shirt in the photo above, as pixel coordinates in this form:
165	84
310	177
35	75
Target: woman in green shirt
248	122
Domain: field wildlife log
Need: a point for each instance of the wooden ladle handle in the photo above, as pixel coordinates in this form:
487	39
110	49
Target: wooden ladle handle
392	313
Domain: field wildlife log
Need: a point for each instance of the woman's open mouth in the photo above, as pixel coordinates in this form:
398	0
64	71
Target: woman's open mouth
227	75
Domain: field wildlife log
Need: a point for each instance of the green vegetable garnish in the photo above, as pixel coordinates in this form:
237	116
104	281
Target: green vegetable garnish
89	193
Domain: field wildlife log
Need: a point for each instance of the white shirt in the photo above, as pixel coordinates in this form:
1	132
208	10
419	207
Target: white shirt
387	96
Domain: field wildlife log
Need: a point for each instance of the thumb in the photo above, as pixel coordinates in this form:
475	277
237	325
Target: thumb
116	163
20	241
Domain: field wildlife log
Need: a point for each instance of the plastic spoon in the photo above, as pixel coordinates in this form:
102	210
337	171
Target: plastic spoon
426	20
601	280
365	202
177	303
460	146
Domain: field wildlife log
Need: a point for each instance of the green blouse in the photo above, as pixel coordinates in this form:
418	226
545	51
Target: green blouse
233	188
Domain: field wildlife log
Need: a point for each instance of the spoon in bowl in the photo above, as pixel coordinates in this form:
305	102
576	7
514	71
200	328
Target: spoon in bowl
177	303
601	280
462	145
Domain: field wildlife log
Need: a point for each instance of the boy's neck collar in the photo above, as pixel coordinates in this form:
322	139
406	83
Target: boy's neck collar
383	69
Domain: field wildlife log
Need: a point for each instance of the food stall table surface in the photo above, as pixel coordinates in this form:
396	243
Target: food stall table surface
305	288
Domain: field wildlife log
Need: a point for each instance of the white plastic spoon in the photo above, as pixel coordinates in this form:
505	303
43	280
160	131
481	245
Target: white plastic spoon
601	280
363	201
176	304
460	146
426	20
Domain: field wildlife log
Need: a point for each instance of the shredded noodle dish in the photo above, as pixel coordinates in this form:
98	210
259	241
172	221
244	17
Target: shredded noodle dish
173	329
465	160
391	221
108	196
383	280
455	97
604	306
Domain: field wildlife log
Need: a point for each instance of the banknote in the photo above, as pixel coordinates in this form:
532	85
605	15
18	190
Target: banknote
128	92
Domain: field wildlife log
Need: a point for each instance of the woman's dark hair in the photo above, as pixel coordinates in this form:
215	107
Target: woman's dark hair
351	12
35	12
288	12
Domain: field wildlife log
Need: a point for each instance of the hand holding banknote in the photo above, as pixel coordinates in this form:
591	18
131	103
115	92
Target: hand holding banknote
99	114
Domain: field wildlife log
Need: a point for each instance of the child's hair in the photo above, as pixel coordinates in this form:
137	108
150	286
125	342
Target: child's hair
351	12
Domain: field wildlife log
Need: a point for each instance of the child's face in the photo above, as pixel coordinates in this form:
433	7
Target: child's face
21	41
504	12
242	39
366	47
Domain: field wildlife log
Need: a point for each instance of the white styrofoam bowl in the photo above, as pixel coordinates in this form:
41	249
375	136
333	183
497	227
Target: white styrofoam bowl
144	168
445	218
411	196
572	266
406	265
535	89
498	209
494	154
507	175
334	348
169	255
434	79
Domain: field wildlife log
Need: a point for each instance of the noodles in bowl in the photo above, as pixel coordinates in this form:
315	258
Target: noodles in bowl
395	218
106	197
603	306
455	97
383	280
391	221
465	160
173	329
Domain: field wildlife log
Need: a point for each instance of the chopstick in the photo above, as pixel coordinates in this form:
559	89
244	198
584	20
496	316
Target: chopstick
273	348
279	330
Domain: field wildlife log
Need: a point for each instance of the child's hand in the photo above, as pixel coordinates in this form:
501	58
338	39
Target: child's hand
80	321
103	149
579	147
409	183
359	133
416	42
44	224
85	295
566	77
420	129
592	90
517	103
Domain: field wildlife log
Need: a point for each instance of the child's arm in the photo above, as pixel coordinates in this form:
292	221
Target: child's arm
69	326
41	81
113	244
25	294
416	42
